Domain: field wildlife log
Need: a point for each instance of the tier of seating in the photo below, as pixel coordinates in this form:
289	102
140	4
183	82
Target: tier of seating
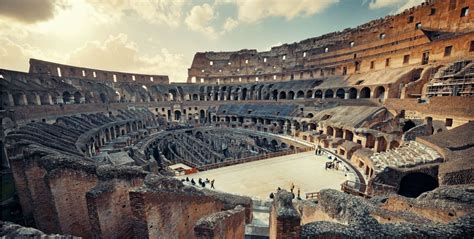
409	154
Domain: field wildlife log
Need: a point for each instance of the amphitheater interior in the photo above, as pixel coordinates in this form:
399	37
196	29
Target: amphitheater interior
97	154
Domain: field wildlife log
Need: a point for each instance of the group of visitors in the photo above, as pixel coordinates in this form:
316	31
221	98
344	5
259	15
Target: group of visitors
201	182
333	164
292	188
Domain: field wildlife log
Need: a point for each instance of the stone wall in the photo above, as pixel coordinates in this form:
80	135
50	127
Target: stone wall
226	225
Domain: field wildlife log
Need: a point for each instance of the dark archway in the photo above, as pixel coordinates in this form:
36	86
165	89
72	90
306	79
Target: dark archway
408	125
300	95
414	184
379	92
364	93
352	93
329	94
318	94
291	95
340	93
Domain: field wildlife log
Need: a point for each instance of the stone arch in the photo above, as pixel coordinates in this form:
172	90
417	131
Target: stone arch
352	93
195	97
318	94
329	93
274	94
364	93
78	97
282	95
300	94
309	94
46	99
340	93
104	98
67	97
414	184
379	92
394	144
173	95
202	116
291	95
33	98
177	115
244	94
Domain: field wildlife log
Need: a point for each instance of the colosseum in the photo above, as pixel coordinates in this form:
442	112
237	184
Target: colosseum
365	132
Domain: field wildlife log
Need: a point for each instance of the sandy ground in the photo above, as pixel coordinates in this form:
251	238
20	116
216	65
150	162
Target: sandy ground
258	179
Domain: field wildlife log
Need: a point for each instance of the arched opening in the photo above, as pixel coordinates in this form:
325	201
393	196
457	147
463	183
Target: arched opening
394	144
282	95
19	99
202	116
274	94
414	184
104	98
173	95
300	95
352	93
318	94
309	94
195	97
177	115
364	93
77	97
67	98
291	95
329	93
329	131
244	93
340	93
408	125
379	92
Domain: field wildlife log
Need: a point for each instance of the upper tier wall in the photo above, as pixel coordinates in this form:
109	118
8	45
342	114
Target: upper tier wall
408	38
60	70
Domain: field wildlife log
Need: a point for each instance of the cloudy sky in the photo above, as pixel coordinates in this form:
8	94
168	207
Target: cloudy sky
161	36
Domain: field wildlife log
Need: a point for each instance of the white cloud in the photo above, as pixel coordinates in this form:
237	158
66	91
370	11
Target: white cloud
199	19
167	12
401	4
250	11
118	53
230	24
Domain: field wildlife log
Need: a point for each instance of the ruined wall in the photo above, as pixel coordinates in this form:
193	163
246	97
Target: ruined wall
284	219
108	202
38	67
169	211
410	33
228	224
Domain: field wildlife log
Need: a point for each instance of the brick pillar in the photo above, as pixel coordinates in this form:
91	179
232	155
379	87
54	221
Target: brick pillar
284	219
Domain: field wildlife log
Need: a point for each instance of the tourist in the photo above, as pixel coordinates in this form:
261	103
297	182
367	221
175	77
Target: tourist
272	195
212	184
292	187
187	179
200	181
192	181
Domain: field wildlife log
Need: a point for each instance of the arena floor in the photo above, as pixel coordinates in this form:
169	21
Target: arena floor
258	179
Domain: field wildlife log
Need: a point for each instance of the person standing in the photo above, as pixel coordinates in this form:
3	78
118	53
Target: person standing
212	184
